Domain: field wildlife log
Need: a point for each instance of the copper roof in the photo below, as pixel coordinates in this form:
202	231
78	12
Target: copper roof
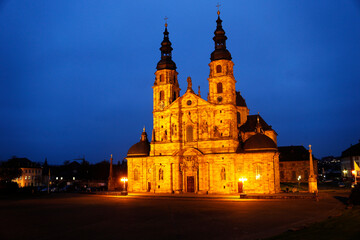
259	141
141	148
352	151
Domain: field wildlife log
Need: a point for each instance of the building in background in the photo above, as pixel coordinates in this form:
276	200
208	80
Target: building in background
203	146
347	159
31	173
294	162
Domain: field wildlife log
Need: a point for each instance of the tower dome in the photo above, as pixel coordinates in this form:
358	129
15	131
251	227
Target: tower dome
220	51
260	142
141	148
166	62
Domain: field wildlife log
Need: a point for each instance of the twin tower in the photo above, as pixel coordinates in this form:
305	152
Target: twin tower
221	80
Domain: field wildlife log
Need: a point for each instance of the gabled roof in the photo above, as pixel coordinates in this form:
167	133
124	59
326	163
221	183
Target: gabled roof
293	153
352	151
21	163
250	124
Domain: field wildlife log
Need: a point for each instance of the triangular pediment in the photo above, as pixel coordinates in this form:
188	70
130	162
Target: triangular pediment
188	100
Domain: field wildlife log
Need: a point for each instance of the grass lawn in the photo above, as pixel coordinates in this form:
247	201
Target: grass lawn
346	226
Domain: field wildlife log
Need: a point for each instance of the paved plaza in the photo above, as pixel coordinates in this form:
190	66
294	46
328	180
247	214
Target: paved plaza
80	216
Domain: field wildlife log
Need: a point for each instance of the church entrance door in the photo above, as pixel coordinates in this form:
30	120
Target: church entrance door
149	186
190	184
240	187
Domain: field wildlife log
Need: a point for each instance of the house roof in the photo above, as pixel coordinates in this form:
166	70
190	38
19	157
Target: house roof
293	153
21	163
354	150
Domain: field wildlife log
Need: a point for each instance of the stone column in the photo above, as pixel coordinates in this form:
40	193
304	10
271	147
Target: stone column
111	185
312	178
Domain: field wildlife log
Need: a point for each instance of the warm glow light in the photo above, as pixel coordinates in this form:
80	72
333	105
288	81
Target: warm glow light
242	179
299	177
345	172
257	176
124	180
353	172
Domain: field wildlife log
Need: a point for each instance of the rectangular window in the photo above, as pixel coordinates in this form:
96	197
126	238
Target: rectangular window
25	177
282	176
293	175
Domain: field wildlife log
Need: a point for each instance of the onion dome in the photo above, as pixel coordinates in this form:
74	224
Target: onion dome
220	51
166	62
140	149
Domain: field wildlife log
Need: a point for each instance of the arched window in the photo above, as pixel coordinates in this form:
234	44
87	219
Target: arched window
238	117
258	172
161	174
136	174
219	87
161	95
223	174
189	134
161	78
174	96
218	69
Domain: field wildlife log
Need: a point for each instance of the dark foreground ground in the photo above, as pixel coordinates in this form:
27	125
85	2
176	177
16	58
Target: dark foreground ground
76	216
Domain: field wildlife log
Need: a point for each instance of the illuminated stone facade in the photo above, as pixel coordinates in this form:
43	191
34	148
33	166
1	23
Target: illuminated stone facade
30	177
203	146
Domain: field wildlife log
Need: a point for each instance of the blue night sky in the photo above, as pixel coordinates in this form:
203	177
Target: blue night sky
76	76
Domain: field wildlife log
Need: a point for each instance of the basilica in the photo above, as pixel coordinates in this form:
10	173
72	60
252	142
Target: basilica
210	146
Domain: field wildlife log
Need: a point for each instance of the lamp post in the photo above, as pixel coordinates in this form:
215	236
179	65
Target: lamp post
124	180
345	172
242	180
354	173
299	178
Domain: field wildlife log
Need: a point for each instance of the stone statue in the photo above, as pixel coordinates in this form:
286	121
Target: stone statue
189	84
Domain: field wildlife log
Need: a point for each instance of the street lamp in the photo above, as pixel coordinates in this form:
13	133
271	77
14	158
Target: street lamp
299	178
242	180
345	172
124	180
354	173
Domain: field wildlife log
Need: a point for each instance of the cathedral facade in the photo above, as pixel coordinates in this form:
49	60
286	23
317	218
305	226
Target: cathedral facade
203	146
